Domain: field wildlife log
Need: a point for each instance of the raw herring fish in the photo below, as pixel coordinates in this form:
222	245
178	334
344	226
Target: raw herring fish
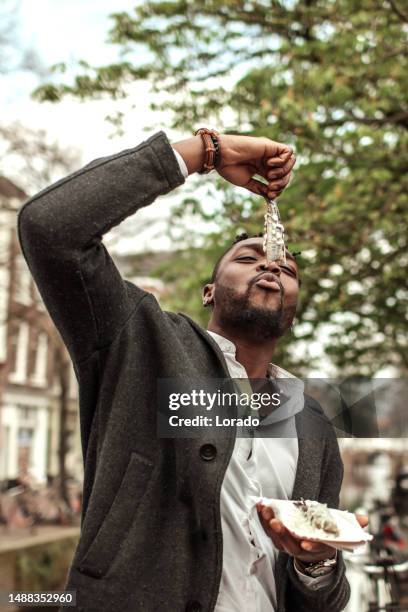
350	534
274	241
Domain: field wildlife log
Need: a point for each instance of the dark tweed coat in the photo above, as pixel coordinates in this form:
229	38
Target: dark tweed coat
151	530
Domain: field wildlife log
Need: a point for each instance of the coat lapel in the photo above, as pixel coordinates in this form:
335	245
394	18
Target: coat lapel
307	482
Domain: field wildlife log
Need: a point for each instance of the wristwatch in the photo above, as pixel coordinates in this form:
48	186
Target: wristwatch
315	569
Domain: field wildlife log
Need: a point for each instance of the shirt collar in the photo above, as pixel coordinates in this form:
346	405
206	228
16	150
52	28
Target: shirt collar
225	345
274	371
292	387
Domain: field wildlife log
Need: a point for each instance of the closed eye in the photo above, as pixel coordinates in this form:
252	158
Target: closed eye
289	270
246	257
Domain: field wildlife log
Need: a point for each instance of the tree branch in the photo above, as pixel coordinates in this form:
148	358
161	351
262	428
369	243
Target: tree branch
398	11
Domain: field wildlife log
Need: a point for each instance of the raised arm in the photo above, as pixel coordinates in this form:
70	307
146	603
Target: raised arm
61	228
60	231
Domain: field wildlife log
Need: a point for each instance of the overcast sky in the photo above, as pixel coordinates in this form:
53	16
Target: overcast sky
68	31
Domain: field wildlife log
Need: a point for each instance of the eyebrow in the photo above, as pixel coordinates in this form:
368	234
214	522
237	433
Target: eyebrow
258	247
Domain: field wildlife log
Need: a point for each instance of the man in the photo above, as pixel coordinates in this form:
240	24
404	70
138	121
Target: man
160	528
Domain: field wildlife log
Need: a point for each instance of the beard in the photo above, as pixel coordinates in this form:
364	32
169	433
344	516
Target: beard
237	312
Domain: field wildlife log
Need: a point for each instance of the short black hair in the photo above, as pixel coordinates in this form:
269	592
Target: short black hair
238	238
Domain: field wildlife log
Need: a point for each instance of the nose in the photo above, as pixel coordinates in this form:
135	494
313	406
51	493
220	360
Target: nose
272	266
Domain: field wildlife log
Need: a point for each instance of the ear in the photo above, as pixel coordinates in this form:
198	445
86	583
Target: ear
208	292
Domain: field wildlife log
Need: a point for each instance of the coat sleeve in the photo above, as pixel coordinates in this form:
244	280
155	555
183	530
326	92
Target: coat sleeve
60	231
333	597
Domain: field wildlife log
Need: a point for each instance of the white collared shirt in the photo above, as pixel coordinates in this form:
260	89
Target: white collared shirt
259	467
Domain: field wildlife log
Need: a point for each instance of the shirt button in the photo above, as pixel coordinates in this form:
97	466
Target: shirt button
208	452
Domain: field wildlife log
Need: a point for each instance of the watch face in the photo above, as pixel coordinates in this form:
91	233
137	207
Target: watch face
315	569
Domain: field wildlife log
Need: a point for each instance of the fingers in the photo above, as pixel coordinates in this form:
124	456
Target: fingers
279	177
277	152
267	514
316	549
257	187
261	157
362	519
305	550
283	540
276	187
281	171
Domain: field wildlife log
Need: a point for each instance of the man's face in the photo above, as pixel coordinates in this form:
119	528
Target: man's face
252	295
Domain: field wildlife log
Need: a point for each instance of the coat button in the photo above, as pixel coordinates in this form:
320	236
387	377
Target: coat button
194	606
208	452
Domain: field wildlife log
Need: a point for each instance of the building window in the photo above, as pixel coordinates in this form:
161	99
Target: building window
24	452
23	281
4	294
32	351
27	414
5	452
39	375
19	354
12	356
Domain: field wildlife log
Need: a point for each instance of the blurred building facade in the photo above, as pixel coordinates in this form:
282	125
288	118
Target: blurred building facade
33	356
30	360
370	469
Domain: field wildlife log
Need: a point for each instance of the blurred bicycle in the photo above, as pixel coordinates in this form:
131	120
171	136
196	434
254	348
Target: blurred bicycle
383	566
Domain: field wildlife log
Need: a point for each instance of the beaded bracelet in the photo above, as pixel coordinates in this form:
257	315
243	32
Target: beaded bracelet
211	147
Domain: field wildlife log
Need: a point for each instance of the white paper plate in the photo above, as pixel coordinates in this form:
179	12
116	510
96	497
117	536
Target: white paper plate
351	534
